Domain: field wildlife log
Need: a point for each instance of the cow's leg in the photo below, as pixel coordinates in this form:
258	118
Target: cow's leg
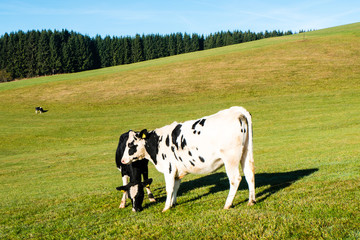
176	188
170	187
150	195
125	180
232	170
247	165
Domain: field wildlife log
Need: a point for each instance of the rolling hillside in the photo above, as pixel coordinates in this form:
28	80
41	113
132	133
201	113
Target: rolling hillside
57	169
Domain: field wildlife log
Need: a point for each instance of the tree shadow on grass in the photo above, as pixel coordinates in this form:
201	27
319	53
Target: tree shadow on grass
219	182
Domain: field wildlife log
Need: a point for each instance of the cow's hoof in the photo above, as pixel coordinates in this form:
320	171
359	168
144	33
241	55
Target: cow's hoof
227	207
251	203
122	205
165	209
152	199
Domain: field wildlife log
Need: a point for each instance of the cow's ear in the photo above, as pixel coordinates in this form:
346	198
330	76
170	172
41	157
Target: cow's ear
122	188
144	134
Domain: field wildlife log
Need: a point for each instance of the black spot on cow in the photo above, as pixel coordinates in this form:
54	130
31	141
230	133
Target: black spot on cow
176	157
183	142
190	154
175	134
194	132
132	148
195	123
180	159
192	163
202	122
152	146
198	132
242	130
201	159
163	156
170	168
173	150
167	141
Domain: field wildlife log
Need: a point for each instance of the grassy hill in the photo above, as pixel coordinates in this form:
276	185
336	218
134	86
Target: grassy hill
58	174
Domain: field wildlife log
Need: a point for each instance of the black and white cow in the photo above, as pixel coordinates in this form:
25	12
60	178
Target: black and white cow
40	110
198	146
133	172
135	191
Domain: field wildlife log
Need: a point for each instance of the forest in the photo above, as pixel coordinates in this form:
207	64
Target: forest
47	52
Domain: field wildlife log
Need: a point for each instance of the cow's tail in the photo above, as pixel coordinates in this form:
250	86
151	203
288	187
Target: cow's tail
246	127
249	136
247	160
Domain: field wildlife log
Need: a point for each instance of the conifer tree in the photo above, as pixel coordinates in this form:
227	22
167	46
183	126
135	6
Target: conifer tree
187	43
137	49
55	53
179	43
172	44
43	54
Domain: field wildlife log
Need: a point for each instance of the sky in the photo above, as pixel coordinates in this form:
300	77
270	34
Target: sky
131	17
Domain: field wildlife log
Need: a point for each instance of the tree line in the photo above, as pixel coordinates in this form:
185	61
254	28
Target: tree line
47	52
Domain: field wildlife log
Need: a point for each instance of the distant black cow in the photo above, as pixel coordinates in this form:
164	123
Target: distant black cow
40	110
133	172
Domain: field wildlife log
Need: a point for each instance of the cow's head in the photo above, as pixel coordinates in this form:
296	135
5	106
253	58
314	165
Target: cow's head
135	147
135	191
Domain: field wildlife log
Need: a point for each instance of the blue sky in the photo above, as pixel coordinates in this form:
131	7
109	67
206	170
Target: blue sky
129	17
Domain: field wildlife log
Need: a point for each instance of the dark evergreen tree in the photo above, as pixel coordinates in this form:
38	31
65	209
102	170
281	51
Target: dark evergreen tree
228	38
31	50
43	54
3	49
179	43
69	51
187	43
11	55
118	54
20	57
127	47
172	44
55	53
149	47
195	43
219	40
210	41
137	49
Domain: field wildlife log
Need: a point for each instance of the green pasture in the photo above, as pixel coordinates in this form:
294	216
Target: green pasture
58	173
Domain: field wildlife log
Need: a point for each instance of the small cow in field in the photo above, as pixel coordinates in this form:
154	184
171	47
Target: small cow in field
198	146
133	172
40	110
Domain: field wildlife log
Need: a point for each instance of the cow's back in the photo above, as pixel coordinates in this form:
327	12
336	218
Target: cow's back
200	146
218	132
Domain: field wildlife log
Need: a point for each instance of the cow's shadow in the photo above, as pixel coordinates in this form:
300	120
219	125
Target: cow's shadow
219	182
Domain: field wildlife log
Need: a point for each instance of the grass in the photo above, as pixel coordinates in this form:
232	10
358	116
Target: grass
58	174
